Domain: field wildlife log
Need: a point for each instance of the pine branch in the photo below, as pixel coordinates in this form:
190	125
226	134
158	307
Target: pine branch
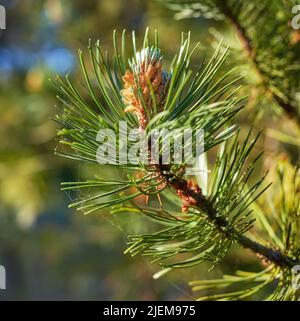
139	92
286	237
286	106
256	23
180	185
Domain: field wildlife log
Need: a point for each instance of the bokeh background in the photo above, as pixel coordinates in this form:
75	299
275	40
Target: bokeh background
48	250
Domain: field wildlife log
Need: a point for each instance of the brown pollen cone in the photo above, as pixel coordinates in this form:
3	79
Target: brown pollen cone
150	75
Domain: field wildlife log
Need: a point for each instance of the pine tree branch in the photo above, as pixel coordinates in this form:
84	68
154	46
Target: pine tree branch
148	97
286	106
181	185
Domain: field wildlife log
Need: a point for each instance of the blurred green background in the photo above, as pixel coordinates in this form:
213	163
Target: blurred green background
49	251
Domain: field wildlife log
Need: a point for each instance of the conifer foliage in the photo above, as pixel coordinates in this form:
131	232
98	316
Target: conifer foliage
267	37
196	219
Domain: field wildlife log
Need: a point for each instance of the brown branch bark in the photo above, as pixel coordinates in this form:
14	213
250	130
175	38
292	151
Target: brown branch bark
180	185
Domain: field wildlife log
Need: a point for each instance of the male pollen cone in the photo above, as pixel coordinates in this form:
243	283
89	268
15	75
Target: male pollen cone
146	73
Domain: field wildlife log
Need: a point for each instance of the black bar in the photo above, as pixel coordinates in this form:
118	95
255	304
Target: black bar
144	310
